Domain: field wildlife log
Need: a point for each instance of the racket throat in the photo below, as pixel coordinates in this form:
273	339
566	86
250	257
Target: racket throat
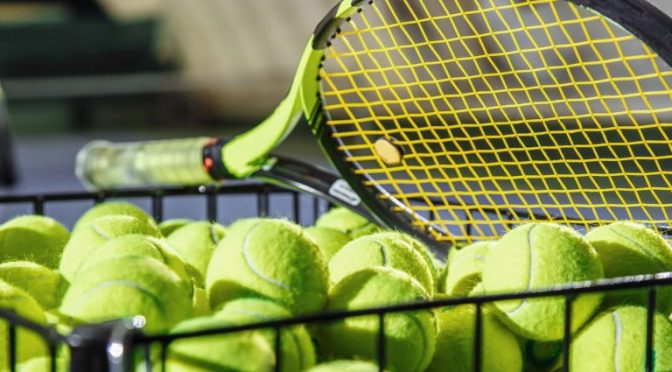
303	177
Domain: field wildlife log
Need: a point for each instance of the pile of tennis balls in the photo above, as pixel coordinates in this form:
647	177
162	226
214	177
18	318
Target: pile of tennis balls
184	275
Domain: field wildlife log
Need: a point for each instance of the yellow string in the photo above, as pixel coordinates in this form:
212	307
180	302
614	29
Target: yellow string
505	110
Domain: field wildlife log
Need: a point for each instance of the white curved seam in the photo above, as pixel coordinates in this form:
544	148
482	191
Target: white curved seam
640	247
157	244
529	282
619	332
97	230
110	283
253	267
383	252
213	234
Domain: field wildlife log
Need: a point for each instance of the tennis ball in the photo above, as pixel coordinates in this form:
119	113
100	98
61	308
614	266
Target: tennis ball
427	255
240	351
541	255
201	302
347	221
136	245
627	248
327	239
168	226
616	341
33	238
63	324
118	208
478	290
380	249
465	269
89	237
269	258
345	366
500	350
195	242
42	364
298	351
409	336
28	343
45	285
125	287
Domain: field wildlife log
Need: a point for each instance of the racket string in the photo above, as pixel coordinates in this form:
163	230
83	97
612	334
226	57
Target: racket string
543	107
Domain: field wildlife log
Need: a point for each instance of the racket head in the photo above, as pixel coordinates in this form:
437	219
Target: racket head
456	120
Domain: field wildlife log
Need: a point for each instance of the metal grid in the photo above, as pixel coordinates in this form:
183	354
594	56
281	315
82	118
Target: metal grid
114	345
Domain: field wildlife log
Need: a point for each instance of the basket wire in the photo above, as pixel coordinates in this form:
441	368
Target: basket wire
113	345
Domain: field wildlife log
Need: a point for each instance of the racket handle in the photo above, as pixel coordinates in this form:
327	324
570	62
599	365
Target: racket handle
106	165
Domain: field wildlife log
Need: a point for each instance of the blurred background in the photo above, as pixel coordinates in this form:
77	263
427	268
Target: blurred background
125	70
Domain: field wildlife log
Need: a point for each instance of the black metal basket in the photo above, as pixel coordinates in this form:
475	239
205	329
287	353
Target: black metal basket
116	345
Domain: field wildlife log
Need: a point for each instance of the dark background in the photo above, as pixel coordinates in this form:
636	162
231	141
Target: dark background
79	70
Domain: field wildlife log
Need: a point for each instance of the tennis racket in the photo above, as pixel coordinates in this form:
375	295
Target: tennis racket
457	119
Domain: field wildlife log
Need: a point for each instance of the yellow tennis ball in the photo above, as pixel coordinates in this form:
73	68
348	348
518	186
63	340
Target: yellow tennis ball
345	366
240	351
347	221
541	255
62	323
195	243
167	227
269	258
136	245
627	248
465	269
126	287
117	208
92	235
33	238
455	347
28	343
616	341
298	351
409	337
42	364
424	251
380	249
200	302
45	285
327	239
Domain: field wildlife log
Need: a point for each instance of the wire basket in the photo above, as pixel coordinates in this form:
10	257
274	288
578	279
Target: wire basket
118	345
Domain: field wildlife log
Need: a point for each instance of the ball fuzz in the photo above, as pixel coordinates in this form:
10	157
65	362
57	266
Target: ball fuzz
242	351
626	249
298	352
117	208
136	245
45	285
616	341
33	238
28	343
500	350
541	255
464	270
349	222
127	287
380	249
268	258
328	240
410	336
90	236
345	366
195	243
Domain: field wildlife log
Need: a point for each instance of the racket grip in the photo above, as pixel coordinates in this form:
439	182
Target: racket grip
107	165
